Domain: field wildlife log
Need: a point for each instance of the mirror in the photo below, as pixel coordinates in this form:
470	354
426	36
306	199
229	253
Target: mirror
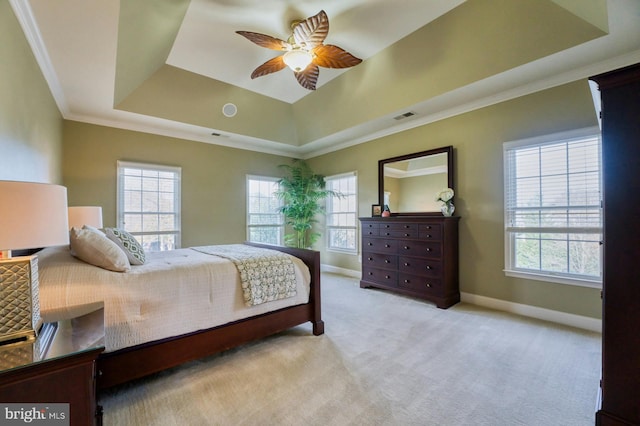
409	183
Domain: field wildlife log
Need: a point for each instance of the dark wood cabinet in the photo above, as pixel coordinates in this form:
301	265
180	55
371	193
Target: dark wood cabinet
412	255
63	372
620	385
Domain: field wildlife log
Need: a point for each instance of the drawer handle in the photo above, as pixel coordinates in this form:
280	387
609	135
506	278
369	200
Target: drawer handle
428	235
428	285
407	281
386	233
406	247
428	226
370	273
428	249
369	244
406	227
386	261
369	258
406	263
406	235
428	267
387	276
387	245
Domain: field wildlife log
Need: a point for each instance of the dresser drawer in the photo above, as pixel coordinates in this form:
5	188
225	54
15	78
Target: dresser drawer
379	245
422	285
370	229
420	249
380	260
399	230
430	231
380	276
417	266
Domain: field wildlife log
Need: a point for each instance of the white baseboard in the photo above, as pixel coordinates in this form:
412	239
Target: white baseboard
341	271
579	321
572	320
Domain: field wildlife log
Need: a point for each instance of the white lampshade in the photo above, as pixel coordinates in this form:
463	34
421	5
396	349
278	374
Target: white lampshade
297	59
85	215
32	215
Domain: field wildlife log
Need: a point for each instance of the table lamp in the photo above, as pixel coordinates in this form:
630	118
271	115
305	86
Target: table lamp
32	216
85	215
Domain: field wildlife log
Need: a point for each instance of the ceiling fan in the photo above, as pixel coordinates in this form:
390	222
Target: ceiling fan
304	51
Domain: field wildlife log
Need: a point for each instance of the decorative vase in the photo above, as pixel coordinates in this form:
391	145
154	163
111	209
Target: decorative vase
386	212
447	209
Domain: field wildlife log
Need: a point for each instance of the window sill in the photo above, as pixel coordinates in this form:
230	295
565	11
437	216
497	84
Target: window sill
554	279
335	250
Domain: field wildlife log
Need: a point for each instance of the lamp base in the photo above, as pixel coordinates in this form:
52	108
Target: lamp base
19	299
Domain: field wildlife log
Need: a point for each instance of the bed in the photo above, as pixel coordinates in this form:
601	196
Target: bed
168	311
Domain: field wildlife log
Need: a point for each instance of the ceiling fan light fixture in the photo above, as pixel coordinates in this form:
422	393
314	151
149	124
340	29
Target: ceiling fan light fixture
297	59
305	51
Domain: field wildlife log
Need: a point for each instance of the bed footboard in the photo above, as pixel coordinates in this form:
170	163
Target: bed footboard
131	363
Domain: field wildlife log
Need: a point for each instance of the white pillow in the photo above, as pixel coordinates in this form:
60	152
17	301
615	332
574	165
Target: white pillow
92	228
128	243
96	249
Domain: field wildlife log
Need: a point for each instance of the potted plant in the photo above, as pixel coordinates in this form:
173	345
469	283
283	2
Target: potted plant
303	193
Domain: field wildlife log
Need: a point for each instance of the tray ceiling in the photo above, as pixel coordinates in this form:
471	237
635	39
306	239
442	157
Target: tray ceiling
169	66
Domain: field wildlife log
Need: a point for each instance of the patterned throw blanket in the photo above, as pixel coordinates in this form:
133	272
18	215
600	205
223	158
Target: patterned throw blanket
265	274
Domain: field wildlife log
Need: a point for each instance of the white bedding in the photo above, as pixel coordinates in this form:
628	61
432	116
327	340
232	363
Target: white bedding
173	293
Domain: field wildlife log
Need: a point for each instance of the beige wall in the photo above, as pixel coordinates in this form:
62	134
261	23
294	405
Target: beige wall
31	134
30	123
477	139
213	177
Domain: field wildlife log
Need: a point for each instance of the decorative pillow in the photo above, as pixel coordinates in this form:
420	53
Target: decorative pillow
97	250
128	244
92	228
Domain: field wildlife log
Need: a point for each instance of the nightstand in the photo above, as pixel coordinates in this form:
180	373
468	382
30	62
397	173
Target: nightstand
59	366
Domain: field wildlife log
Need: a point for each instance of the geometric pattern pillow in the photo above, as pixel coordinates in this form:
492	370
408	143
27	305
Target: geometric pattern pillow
128	243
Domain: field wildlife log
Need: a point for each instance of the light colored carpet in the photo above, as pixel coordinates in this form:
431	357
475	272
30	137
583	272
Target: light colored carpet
384	359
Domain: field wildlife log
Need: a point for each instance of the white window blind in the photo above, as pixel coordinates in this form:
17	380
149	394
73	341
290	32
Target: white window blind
341	213
553	215
149	204
264	223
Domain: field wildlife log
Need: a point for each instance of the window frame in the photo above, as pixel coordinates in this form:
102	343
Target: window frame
281	225
328	213
120	213
510	232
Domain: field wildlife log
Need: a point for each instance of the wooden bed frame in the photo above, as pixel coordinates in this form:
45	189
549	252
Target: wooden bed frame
127	364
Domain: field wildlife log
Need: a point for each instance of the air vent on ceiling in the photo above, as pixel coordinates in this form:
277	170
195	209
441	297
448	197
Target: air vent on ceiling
219	135
405	115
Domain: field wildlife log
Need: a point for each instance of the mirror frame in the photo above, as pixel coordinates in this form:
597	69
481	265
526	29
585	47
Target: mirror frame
450	174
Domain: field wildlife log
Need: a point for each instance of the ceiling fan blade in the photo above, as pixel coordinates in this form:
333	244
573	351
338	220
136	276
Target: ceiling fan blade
272	65
265	40
312	31
330	56
308	77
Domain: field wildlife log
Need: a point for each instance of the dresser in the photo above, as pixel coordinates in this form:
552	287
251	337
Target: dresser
412	255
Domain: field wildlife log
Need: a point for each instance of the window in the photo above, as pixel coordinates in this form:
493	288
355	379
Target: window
264	223
553	214
149	204
341	214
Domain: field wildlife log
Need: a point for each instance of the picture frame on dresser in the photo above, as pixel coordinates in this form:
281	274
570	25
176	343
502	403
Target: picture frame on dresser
376	210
